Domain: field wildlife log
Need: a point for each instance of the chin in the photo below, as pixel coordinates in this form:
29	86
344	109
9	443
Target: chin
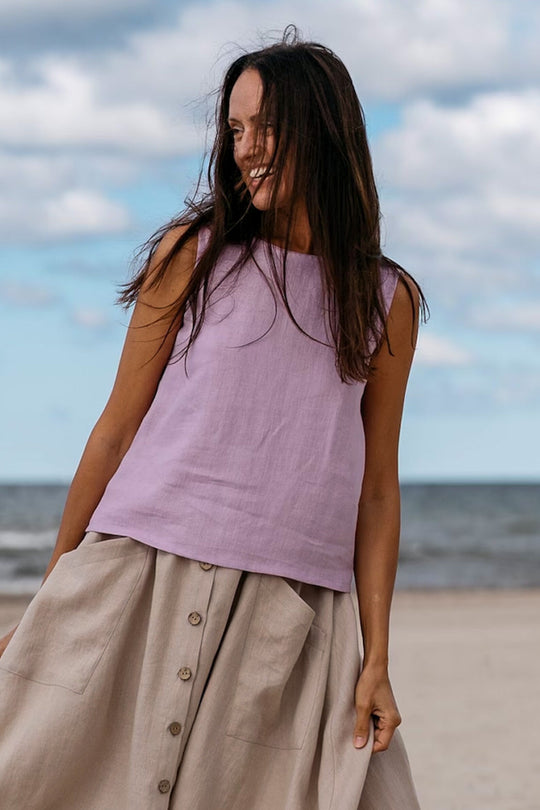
260	205
262	202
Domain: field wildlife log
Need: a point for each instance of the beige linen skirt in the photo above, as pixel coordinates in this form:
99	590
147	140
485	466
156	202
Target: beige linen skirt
138	679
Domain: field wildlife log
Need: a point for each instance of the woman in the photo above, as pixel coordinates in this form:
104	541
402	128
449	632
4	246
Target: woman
194	642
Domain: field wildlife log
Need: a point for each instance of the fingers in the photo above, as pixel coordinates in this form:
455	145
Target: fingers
374	700
384	730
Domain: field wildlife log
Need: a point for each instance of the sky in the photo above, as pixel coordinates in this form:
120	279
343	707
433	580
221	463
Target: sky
103	111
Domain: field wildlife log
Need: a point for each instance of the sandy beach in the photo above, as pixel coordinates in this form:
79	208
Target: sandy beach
465	668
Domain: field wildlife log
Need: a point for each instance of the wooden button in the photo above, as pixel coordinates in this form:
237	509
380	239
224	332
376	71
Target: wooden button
184	673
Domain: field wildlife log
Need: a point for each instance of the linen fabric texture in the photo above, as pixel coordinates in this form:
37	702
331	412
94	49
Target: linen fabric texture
254	458
138	679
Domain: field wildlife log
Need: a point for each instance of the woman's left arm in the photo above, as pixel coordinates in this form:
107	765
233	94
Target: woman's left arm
378	525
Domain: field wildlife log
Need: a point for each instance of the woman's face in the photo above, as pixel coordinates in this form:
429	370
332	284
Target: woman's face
253	157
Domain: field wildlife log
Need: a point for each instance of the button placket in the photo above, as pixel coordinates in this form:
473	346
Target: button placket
179	702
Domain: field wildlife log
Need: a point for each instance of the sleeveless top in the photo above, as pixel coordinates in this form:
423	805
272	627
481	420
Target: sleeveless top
255	458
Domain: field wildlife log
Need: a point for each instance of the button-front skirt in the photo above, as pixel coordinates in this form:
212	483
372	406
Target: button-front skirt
140	680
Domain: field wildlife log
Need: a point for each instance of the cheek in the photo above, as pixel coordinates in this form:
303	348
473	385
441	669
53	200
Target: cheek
285	187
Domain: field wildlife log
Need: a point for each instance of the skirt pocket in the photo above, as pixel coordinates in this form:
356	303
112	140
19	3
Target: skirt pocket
71	619
279	671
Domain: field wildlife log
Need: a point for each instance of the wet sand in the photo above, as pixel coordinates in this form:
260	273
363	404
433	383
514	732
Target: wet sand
465	669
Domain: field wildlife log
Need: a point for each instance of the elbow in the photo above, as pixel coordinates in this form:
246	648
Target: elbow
113	442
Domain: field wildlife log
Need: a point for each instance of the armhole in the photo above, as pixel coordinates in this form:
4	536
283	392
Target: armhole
389	277
389	282
203	235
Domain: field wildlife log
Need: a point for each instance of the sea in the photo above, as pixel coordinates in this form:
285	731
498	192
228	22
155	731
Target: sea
456	535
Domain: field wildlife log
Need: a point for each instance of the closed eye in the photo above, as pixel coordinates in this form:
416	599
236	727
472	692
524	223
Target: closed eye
234	130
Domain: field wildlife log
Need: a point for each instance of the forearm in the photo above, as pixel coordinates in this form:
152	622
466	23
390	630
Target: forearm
375	566
99	461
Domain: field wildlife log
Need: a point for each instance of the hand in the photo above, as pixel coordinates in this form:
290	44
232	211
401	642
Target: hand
5	640
374	698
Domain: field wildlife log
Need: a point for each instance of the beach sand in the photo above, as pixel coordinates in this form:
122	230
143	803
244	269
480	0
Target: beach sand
465	669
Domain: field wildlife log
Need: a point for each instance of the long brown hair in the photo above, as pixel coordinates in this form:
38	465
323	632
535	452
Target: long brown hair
319	125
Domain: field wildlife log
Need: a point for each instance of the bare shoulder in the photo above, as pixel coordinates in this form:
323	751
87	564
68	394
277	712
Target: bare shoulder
405	305
403	320
177	272
171	236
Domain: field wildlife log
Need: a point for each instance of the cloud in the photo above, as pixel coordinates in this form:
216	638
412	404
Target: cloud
65	108
522	316
46	172
91	318
20	9
459	191
428	46
395	50
81	212
133	95
26	294
146	97
436	350
457	176
445	147
31	27
68	214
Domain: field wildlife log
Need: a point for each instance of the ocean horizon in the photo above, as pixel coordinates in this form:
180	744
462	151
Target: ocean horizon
455	534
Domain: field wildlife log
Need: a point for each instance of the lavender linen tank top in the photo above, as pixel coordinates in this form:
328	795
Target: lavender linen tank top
255	458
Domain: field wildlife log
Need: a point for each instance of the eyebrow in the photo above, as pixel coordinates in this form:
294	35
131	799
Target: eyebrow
251	118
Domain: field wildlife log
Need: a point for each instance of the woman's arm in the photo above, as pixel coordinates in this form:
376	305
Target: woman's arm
134	388
378	525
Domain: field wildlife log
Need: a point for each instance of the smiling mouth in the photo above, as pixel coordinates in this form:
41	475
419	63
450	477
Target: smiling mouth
258	174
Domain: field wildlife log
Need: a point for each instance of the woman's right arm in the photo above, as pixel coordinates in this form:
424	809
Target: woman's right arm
138	375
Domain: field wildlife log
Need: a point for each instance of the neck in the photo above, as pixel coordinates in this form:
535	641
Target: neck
301	239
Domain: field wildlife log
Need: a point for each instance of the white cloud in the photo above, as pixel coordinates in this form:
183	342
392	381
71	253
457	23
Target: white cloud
134	97
65	109
81	212
521	316
395	49
475	162
52	195
459	189
436	350
493	142
70	213
91	318
404	48
47	172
